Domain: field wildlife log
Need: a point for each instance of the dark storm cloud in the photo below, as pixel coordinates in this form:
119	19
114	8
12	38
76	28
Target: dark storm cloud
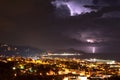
105	31
105	7
28	22
33	23
95	8
110	2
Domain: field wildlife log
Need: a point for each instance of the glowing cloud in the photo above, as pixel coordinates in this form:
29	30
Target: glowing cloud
90	41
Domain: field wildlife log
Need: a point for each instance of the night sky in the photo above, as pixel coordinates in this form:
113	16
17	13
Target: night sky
62	24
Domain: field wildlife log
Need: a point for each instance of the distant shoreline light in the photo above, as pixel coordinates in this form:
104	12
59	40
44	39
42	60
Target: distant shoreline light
64	54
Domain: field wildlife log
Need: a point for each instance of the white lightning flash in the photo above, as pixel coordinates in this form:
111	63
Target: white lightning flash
93	50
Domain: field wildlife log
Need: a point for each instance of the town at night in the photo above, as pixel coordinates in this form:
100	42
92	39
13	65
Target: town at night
59	39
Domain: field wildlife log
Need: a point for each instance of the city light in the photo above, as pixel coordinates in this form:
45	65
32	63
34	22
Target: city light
66	68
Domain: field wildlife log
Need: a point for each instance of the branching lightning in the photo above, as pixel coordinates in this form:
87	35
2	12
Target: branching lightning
74	7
